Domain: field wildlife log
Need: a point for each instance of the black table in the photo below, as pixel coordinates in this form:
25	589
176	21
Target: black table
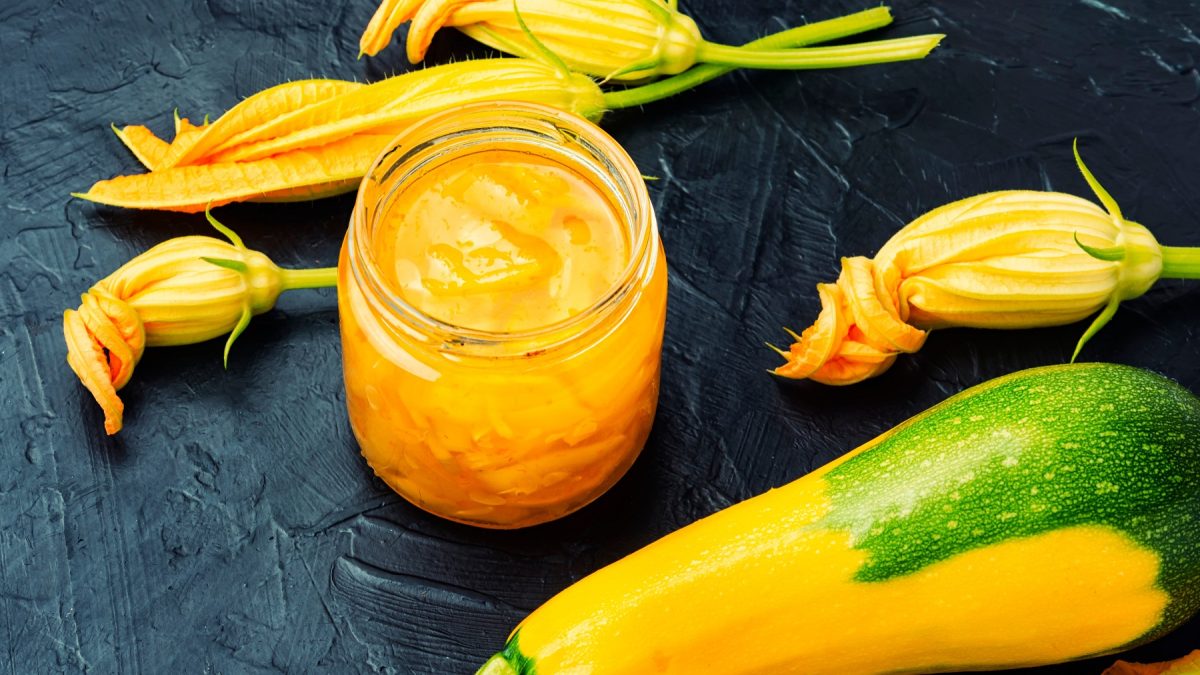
232	527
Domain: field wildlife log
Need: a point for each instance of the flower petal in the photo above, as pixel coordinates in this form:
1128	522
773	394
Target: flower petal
385	21
258	117
191	189
149	149
116	327
820	341
879	320
854	362
1180	666
428	19
86	357
839	372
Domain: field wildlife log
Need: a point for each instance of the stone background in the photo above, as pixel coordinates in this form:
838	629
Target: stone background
232	527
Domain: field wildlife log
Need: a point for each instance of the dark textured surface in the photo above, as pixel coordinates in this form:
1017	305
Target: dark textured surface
232	527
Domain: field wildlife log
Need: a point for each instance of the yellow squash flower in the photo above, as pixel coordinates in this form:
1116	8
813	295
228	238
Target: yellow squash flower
1012	259
314	138
182	291
614	39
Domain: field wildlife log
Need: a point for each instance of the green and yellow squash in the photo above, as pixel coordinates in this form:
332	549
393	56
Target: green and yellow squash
1049	515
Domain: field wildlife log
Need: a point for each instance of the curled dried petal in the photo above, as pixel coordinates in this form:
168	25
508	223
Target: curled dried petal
854	362
874	309
87	357
115	326
820	341
859	332
1180	666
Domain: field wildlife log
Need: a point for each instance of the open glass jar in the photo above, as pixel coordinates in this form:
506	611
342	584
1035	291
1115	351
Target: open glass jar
500	421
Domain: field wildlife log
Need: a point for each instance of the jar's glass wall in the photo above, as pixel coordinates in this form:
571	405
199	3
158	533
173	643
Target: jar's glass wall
503	430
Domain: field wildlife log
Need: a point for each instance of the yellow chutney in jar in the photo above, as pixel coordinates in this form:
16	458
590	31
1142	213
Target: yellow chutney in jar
502	291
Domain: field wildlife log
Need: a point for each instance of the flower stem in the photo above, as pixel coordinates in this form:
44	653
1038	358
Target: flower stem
862	54
1180	262
323	277
813	33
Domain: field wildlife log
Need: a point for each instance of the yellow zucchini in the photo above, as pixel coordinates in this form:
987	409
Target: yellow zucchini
1050	515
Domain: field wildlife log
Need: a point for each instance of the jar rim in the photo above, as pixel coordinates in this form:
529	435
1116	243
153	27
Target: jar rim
455	125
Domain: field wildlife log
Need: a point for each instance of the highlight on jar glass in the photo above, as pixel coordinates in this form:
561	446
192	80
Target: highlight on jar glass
502	291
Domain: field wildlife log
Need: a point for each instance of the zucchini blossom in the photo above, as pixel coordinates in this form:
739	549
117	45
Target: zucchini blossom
1010	259
619	40
315	138
182	291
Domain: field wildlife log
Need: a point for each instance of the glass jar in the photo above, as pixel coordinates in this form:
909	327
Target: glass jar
502	429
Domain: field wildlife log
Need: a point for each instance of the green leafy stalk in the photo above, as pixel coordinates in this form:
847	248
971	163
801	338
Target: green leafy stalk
243	321
862	54
320	277
220	227
289	279
1105	198
813	33
1101	320
497	665
550	58
1112	254
1180	262
235	265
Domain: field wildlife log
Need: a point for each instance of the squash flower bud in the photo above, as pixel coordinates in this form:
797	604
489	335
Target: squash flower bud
182	291
1012	259
641	37
619	40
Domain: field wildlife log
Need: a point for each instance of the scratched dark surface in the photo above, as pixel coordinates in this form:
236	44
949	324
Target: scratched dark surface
232	527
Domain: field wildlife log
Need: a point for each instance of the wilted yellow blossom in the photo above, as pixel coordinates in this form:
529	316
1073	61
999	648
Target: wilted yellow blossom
315	138
184	290
1013	259
614	39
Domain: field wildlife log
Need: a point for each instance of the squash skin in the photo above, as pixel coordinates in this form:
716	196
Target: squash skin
1082	474
1136	471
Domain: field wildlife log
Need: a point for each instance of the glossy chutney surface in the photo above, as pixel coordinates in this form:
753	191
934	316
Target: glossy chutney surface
502	241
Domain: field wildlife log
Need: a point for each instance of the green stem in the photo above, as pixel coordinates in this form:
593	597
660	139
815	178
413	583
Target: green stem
862	54
323	277
1180	262
497	665
813	33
